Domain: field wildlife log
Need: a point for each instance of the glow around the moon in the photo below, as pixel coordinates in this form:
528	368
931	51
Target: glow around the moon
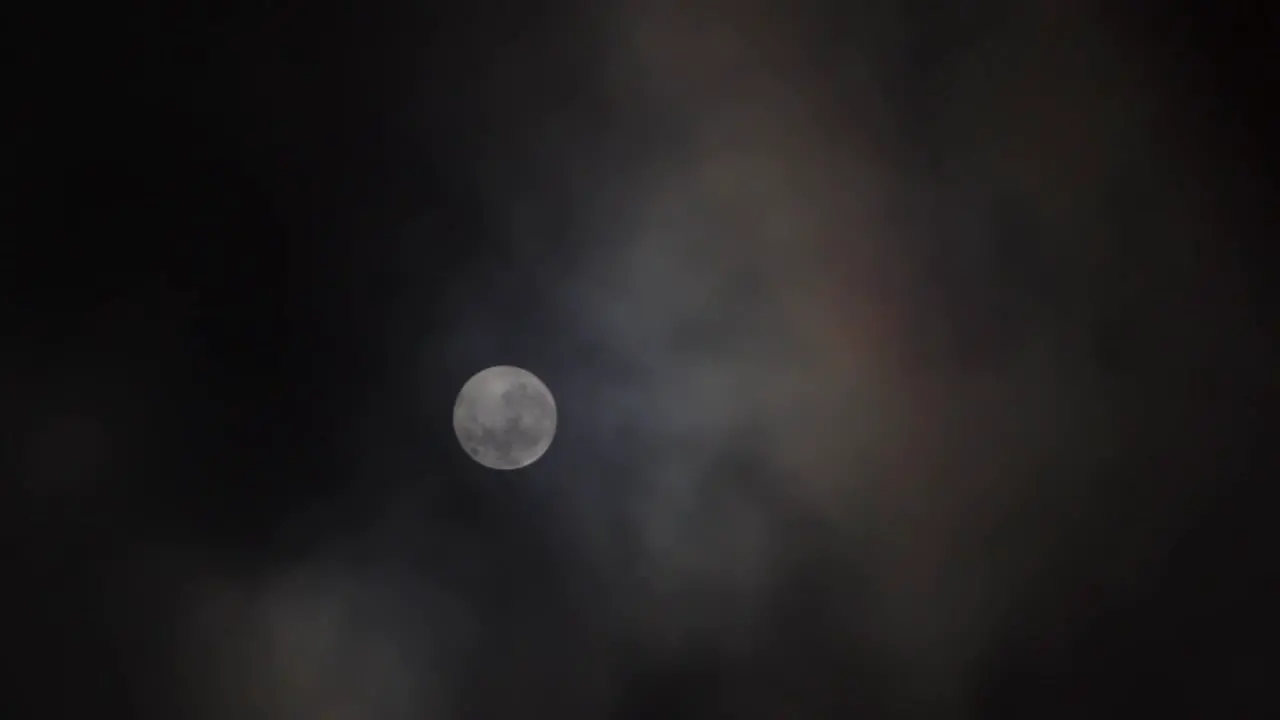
505	417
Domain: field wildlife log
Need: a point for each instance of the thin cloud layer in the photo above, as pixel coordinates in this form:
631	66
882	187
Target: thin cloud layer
794	391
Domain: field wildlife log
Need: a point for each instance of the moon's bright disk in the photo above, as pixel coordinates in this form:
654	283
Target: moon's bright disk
505	417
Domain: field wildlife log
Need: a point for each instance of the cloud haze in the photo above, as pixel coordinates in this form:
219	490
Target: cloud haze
868	332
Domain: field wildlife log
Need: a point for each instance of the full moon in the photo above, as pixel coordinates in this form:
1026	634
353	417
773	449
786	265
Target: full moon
505	417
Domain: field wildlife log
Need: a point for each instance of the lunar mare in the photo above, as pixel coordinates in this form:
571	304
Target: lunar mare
505	417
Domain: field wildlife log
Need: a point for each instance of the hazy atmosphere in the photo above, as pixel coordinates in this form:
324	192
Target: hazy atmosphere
909	362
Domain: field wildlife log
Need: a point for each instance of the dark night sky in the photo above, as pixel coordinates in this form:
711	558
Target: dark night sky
911	362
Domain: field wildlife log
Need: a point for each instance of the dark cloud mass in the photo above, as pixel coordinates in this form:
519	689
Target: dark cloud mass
909	362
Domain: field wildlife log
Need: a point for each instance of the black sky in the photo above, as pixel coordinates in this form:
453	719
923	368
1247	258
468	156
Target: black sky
253	252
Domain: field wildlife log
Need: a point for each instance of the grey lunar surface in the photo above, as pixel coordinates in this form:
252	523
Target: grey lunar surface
505	417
